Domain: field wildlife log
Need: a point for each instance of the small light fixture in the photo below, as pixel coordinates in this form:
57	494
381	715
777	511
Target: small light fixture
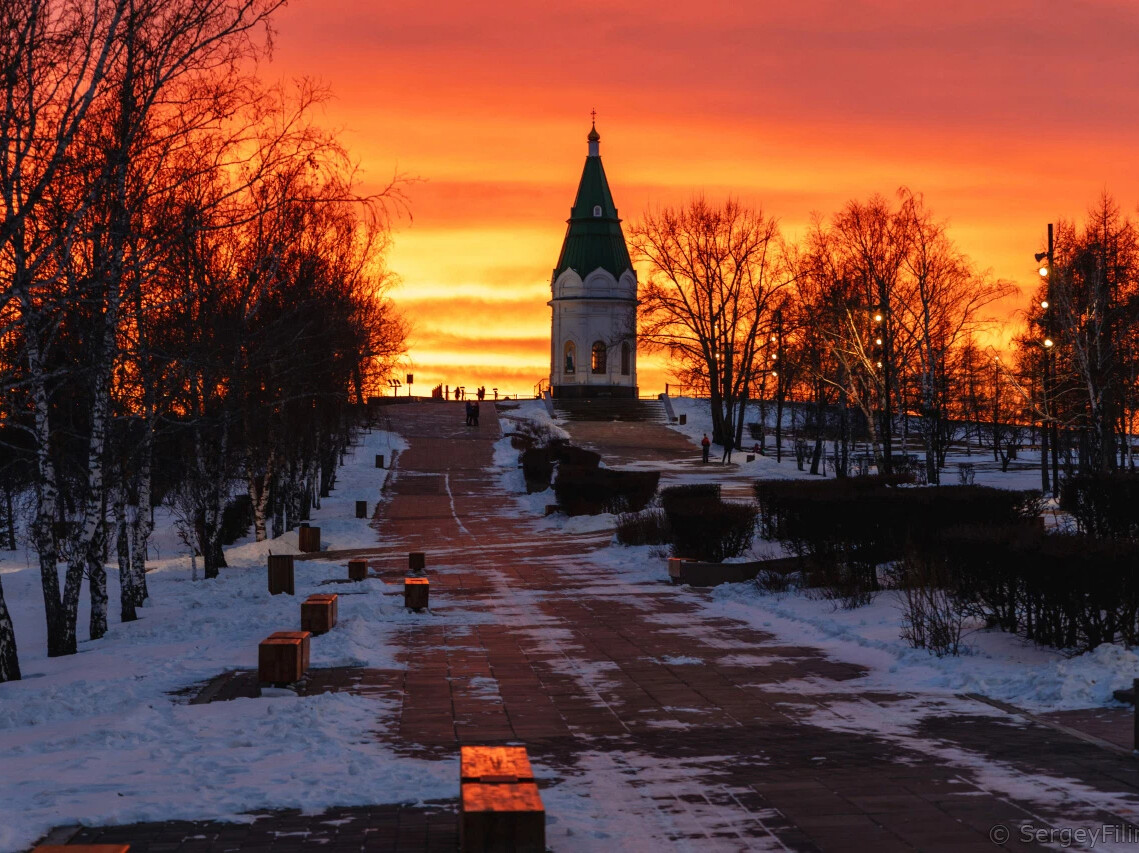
877	318
879	364
1044	271
1047	342
1044	304
878	341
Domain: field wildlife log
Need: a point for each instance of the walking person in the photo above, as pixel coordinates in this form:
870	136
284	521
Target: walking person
705	446
470	414
475	412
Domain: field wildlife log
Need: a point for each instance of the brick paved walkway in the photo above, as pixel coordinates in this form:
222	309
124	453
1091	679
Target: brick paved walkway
651	724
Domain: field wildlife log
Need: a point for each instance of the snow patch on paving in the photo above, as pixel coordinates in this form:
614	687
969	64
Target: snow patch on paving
897	722
617	801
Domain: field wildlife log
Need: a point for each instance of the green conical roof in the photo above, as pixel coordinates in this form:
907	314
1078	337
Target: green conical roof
593	241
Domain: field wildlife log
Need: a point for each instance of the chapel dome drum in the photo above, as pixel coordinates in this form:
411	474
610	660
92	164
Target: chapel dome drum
593	332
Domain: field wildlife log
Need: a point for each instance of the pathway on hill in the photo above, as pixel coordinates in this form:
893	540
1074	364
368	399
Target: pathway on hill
654	726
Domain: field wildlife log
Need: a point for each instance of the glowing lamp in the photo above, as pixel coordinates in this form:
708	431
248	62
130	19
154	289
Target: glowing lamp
1044	271
1044	304
1047	342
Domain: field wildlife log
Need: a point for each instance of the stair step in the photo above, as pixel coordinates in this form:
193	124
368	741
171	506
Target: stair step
641	411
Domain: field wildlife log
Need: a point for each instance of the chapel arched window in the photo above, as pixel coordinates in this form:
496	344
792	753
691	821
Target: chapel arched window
570	357
598	362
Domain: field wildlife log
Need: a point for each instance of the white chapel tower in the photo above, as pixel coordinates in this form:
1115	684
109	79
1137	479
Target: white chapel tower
593	336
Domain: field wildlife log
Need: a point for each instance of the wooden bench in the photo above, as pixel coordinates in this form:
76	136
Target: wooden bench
416	592
82	848
319	613
696	573
379	460
308	539
361	509
501	808
357	570
280	574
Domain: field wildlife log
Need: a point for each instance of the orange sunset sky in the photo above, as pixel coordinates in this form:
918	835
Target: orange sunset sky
1006	115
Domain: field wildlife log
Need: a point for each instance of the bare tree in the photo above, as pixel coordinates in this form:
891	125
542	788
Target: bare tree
714	274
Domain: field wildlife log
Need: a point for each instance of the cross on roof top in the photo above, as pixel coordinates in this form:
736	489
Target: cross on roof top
593	115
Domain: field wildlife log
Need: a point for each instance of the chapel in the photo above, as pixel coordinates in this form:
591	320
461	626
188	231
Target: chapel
593	331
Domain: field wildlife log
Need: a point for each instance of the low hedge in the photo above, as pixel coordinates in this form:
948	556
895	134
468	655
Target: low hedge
711	531
583	490
870	520
1106	506
648	527
701	493
1066	591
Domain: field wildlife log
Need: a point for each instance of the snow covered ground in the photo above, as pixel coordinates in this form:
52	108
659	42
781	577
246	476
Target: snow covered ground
97	737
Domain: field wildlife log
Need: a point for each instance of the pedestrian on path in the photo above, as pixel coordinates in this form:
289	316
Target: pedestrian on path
475	412
470	414
706	445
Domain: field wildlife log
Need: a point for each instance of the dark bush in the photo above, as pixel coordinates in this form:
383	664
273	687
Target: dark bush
537	468
236	519
700	493
870	519
1106	506
565	453
584	490
848	527
648	527
711	531
1071	592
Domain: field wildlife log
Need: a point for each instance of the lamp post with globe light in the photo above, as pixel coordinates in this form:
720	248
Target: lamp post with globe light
1049	434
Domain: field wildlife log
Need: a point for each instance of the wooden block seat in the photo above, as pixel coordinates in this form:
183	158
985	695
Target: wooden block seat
308	539
416	593
357	570
501	817
304	636
280	574
416	561
82	848
280	660
319	613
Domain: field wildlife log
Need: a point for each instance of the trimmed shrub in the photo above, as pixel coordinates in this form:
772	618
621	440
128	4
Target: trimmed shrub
849	527
649	527
1066	591
1106	506
563	452
677	497
584	490
537	468
711	531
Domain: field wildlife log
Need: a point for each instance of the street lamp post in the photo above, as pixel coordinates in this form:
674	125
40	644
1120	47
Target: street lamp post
882	342
1049	433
